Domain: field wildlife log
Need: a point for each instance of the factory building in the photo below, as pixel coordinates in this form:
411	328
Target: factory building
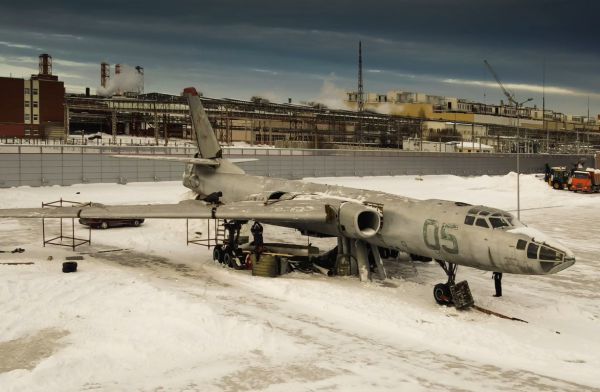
32	107
451	109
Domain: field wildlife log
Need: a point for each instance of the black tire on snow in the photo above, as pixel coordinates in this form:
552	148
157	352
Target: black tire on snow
384	253
218	254
104	225
555	185
136	223
231	260
267	266
441	294
69	266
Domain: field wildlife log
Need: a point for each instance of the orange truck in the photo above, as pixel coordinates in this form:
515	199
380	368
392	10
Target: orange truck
586	181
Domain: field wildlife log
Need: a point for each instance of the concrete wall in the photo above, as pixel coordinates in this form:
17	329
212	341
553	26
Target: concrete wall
58	165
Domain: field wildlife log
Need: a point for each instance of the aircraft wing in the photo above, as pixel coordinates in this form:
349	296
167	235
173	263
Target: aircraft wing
285	211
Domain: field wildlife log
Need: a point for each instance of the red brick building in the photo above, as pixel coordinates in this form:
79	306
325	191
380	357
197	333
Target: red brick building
32	107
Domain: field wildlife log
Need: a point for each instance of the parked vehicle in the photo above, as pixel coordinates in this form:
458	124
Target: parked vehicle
559	177
106	223
586	181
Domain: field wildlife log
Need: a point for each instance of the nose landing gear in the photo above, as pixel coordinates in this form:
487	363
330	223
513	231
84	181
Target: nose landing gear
451	293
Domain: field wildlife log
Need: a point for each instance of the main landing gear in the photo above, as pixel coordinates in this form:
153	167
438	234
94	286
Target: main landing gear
451	293
230	254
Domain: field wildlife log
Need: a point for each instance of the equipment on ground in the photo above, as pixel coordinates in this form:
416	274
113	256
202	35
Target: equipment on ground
559	177
69	266
585	181
105	223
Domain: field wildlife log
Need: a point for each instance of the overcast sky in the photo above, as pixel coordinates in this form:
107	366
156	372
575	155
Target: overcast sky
307	50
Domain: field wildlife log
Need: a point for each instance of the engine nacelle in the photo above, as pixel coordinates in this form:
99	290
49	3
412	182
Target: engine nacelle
358	221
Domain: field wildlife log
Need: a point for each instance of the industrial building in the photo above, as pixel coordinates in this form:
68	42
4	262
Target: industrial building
39	108
443	116
255	122
33	107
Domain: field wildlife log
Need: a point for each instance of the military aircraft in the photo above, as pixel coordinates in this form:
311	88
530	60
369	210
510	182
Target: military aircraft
366	223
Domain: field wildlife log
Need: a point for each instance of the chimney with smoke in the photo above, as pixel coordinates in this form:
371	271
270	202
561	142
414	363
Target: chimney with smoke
140	71
104	74
126	79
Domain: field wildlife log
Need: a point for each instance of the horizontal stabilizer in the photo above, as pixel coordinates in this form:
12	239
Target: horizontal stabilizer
195	161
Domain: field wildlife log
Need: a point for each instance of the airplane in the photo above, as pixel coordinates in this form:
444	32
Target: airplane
367	223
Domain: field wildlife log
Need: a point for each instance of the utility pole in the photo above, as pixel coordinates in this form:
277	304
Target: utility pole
360	97
511	99
544	108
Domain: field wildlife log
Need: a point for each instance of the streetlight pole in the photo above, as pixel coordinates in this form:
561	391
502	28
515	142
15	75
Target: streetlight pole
517	105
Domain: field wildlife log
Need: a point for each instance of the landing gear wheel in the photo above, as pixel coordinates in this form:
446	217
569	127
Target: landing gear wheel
451	293
104	225
441	294
218	254
384	253
227	260
136	223
231	260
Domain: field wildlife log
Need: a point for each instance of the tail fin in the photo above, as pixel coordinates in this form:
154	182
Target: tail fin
208	146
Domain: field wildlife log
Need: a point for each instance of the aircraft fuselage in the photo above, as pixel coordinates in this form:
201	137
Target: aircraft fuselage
489	239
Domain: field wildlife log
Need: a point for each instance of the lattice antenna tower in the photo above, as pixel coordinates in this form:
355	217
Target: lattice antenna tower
360	98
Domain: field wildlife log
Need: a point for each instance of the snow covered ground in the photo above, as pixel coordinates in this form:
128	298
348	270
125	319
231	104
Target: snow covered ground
161	316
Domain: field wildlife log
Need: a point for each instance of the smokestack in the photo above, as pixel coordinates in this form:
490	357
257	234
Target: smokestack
87	91
140	71
104	74
45	65
117	73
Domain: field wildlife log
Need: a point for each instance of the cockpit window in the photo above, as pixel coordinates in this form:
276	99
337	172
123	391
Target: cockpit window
481	222
521	244
497	222
489	218
550	254
509	219
532	251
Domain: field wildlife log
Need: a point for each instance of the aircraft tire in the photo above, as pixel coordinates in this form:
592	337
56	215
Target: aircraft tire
266	266
441	294
104	225
218	254
384	253
69	266
228	259
231	260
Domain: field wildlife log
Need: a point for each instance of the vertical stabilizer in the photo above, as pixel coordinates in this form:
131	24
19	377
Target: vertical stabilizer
208	146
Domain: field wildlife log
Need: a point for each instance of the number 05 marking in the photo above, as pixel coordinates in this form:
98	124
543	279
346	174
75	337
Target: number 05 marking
433	237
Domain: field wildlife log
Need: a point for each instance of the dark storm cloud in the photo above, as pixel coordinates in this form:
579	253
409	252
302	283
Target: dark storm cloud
283	47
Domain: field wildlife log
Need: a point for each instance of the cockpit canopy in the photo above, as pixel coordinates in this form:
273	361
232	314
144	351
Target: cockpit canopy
489	218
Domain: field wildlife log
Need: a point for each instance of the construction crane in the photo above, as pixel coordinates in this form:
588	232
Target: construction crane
509	95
